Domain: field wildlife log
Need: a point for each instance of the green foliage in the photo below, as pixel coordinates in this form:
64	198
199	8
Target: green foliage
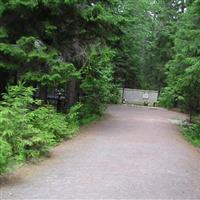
73	119
46	44
5	154
3	33
192	134
44	66
28	131
50	30
168	98
97	79
145	44
88	119
183	72
43	43
132	43
114	97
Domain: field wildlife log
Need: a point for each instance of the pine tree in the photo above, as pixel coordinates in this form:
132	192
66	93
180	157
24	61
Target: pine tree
184	71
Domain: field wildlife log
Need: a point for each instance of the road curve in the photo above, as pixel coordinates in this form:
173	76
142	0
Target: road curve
135	152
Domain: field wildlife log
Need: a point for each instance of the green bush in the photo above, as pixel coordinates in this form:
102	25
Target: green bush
14	122
114	97
27	129
192	134
5	154
73	119
167	98
89	118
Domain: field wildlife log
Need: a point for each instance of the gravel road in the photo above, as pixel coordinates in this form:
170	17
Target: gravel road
135	152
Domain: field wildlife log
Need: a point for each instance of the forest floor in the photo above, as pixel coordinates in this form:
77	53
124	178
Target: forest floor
134	152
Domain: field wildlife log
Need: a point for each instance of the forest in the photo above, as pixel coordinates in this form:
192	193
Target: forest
63	61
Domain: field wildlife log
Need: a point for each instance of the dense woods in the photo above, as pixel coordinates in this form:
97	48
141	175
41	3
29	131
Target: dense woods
62	61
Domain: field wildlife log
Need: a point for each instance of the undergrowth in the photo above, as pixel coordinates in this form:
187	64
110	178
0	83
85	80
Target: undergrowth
28	130
192	133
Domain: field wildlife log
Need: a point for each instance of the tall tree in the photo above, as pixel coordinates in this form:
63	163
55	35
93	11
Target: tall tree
45	43
183	70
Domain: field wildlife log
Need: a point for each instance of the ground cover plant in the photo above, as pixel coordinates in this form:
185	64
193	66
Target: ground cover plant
191	131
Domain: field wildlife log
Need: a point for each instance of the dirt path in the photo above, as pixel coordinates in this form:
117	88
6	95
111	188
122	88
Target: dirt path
135	152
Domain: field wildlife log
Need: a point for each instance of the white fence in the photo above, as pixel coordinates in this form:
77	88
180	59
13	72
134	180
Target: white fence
135	96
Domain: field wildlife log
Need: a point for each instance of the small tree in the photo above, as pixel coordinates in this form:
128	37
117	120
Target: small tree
97	78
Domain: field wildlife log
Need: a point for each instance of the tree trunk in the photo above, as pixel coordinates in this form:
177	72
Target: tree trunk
43	91
71	92
4	75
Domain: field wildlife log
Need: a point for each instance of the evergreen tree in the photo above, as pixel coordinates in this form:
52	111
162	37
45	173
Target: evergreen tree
44	43
184	71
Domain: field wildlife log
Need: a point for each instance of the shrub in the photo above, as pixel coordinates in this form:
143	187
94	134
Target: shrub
26	132
14	123
5	154
114	97
192	134
73	119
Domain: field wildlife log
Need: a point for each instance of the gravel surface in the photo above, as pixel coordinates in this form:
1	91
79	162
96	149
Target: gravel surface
135	152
